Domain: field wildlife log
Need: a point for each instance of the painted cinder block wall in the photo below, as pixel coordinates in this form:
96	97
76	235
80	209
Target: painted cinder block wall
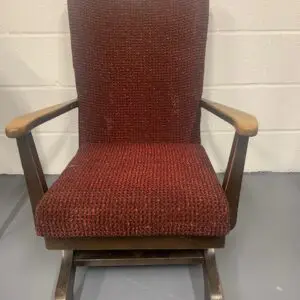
252	63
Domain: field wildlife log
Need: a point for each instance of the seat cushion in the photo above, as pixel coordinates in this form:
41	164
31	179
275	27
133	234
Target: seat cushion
111	190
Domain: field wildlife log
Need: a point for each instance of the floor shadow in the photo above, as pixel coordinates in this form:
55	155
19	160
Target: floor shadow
79	282
14	212
196	273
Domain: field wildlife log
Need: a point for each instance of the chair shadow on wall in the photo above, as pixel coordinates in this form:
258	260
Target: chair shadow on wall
16	103
15	94
210	81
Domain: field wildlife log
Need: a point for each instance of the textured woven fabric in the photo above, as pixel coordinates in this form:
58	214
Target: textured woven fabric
140	169
135	190
139	68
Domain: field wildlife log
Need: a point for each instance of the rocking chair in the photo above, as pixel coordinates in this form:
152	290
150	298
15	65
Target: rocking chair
141	189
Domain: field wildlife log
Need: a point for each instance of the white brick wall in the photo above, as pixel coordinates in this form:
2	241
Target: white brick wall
252	63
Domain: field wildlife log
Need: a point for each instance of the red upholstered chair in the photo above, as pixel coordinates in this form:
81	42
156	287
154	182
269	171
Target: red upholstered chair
141	189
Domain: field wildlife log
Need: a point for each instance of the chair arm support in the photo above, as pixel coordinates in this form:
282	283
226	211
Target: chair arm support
20	128
233	177
33	171
245	124
24	124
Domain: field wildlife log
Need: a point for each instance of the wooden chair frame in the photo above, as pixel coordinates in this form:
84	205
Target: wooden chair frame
135	250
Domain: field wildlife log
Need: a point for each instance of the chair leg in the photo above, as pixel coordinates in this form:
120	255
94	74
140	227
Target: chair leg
65	282
212	284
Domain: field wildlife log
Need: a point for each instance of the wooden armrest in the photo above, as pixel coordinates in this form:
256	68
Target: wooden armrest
245	124
23	124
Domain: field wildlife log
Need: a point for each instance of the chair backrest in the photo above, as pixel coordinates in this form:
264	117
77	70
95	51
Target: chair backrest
139	68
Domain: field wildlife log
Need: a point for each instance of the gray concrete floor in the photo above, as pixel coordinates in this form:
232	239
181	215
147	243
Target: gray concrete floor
260	260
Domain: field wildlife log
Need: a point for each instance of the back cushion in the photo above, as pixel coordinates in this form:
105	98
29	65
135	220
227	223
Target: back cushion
139	69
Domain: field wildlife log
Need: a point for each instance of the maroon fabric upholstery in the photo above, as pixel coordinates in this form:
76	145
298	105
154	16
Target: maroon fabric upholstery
135	190
139	68
140	169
